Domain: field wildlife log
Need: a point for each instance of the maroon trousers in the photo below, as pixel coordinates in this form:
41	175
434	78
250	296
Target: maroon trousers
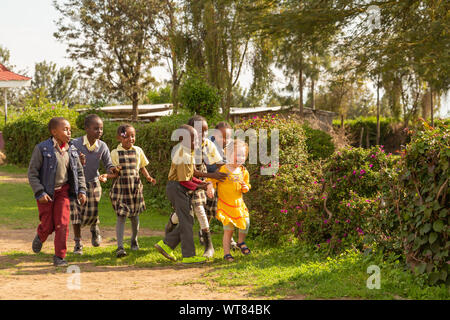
55	216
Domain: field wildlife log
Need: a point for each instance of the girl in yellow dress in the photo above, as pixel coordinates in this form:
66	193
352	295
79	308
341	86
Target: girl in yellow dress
231	209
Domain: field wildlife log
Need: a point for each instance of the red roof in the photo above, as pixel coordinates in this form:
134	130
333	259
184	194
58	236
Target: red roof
6	75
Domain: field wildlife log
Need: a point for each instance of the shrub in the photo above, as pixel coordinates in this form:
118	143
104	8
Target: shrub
425	201
353	128
319	144
80	118
346	211
30	128
276	202
199	97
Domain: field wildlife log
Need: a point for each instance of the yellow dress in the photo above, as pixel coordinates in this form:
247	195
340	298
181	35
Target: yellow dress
230	205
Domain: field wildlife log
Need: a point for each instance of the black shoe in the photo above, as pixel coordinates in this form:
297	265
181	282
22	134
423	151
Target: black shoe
170	226
96	237
36	245
209	249
134	245
120	252
59	262
78	249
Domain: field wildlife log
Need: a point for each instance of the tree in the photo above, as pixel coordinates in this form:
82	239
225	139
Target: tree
112	42
60	84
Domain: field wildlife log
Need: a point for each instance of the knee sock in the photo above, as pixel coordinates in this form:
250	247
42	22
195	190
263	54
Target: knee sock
120	229
134	227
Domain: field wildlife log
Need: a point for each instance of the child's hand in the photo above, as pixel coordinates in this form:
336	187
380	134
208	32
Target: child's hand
204	185
103	178
151	180
115	170
244	187
82	198
210	191
82	159
45	199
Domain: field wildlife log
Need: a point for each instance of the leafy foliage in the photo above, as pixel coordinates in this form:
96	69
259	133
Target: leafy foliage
275	201
425	202
30	128
199	97
319	144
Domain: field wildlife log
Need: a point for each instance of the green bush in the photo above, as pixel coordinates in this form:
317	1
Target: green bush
319	144
25	131
346	211
353	128
276	202
425	201
197	96
80	118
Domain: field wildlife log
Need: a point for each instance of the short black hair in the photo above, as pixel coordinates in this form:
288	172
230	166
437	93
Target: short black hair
123	128
90	118
194	118
223	124
54	122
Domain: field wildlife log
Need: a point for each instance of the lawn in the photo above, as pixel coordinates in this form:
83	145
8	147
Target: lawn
272	271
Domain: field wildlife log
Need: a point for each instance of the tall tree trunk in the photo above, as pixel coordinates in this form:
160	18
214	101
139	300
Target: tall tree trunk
135	101
300	88
378	113
431	107
313	102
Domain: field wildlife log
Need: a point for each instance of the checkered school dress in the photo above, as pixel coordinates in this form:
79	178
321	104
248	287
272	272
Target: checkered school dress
199	195
126	193
87	215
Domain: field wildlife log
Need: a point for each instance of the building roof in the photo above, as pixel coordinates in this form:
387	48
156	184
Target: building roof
7	75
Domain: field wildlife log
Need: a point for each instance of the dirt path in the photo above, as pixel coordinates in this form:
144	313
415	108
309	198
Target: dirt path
21	277
13	177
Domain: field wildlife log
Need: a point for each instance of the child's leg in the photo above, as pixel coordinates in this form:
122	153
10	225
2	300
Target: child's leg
183	233
135	228
46	226
120	229
61	218
226	241
76	232
200	213
242	235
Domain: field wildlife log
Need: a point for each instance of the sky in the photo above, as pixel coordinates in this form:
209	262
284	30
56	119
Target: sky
27	27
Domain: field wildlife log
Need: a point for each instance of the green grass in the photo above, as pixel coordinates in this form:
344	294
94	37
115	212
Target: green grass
270	271
9	168
295	270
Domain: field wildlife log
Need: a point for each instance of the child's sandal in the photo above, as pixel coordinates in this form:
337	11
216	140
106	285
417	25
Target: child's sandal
228	257
245	250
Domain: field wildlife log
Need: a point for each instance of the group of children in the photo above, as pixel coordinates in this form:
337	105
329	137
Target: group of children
206	179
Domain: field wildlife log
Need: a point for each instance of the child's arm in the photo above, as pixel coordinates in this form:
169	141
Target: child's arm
81	182
33	177
245	185
107	162
221	176
147	176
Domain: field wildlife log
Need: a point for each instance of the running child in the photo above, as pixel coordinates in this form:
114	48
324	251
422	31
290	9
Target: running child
127	190
231	209
206	155
180	187
56	177
94	151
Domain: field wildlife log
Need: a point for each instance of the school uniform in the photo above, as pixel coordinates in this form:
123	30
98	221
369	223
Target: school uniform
56	172
126	193
87	215
181	183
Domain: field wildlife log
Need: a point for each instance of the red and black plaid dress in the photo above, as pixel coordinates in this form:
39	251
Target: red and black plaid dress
126	193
